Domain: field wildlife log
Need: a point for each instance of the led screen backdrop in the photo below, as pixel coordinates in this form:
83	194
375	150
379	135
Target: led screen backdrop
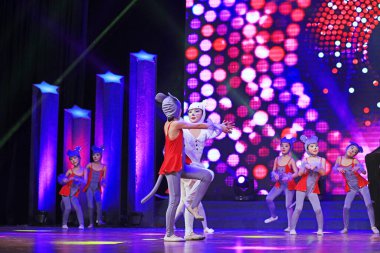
282	68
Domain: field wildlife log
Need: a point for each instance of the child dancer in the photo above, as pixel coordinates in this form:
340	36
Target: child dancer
173	168
95	177
283	173
194	144
70	190
355	183
312	168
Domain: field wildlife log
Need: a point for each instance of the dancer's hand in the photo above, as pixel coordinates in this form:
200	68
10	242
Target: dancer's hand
276	176
227	126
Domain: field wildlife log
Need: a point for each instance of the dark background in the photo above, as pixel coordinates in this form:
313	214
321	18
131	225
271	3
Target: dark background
40	39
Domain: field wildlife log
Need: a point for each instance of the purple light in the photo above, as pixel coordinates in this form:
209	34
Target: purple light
205	45
229	181
221	168
237	23
273	109
195	24
277	68
192	38
233	160
303	101
322	127
109	77
291	110
285	97
291	59
311	115
224	15
141	56
297	89
249	31
241	9
225	103
221	29
220	75
280	122
78	112
279	83
191	68
192	83
194	97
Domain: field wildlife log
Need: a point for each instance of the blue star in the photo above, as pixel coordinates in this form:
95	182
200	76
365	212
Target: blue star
47	88
110	77
142	55
78	112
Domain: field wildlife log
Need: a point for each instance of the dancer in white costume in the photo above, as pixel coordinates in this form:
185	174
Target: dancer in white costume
194	140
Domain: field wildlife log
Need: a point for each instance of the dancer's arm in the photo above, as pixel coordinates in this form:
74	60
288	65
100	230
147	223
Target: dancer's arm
275	176
322	169
303	167
358	167
295	168
337	167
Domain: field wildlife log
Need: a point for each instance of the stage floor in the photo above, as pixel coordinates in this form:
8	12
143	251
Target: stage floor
98	240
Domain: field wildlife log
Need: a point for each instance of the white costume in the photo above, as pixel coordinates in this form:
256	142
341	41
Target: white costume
194	149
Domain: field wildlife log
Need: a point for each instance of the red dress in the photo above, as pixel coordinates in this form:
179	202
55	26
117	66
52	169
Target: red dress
361	181
65	190
173	154
302	184
291	183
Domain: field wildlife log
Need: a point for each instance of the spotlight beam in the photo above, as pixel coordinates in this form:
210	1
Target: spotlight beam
27	114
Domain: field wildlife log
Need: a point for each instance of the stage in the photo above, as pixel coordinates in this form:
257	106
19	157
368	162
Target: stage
54	239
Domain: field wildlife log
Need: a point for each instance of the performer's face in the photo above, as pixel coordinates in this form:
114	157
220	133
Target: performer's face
195	115
96	157
285	148
313	149
74	160
352	151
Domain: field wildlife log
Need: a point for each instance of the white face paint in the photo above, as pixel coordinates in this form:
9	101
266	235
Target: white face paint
96	157
313	149
195	115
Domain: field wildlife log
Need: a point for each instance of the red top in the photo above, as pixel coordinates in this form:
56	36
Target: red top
361	181
302	184
173	154
90	177
291	183
65	190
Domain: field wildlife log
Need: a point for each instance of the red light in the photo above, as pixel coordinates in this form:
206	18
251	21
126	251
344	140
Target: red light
366	110
219	44
376	83
276	53
191	53
367	123
325	91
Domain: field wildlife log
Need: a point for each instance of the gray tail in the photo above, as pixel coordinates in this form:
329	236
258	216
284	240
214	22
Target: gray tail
154	190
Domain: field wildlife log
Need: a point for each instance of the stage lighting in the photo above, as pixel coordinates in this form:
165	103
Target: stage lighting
243	188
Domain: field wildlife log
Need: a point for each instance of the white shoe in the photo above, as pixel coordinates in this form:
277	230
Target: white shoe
320	232
194	237
293	232
65	227
173	238
344	231
208	231
81	227
271	219
375	230
91	226
194	212
287	229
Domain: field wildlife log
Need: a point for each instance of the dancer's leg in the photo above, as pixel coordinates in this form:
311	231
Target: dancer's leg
350	196
300	198
67	210
314	200
78	210
174	184
289	196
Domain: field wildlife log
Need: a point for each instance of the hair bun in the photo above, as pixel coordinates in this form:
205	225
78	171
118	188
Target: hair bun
303	138
160	97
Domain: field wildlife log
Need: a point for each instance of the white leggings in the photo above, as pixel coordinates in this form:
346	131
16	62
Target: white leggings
350	196
314	200
174	184
274	193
